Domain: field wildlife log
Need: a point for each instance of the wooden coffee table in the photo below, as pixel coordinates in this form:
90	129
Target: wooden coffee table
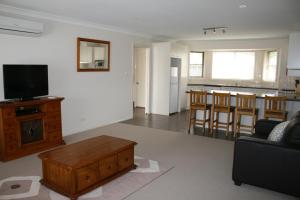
78	168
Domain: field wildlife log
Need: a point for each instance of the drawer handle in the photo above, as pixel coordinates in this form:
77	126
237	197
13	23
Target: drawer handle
87	178
109	167
126	159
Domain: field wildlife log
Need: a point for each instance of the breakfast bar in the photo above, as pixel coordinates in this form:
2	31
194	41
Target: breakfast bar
292	103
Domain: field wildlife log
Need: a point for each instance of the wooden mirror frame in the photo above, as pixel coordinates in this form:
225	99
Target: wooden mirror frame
94	41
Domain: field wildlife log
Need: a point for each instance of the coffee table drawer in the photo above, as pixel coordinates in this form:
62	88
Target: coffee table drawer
87	176
125	159
108	167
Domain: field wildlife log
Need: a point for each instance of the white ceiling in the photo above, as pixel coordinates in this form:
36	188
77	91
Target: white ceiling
179	19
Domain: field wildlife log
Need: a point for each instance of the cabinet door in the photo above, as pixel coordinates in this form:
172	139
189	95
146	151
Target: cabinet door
54	136
53	106
8	112
10	131
294	50
53	125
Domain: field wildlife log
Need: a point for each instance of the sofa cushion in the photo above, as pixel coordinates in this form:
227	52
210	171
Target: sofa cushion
292	132
263	128
277	134
296	115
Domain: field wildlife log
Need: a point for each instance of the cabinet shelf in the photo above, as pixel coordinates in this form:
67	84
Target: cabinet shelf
31	116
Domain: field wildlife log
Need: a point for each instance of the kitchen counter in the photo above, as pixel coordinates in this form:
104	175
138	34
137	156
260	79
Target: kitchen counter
259	94
292	106
234	86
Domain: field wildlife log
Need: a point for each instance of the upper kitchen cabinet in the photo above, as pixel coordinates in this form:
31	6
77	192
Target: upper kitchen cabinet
294	55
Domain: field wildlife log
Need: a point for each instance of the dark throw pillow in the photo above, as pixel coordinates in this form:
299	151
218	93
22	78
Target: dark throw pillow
296	115
292	132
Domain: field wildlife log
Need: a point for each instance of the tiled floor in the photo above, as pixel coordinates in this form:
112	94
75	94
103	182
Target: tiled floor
177	122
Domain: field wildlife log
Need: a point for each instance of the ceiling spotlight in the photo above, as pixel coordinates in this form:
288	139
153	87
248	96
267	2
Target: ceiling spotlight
214	30
243	6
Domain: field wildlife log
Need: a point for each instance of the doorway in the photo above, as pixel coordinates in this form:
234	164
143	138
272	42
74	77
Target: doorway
141	78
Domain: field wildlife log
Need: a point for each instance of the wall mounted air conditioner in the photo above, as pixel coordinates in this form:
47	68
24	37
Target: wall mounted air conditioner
14	26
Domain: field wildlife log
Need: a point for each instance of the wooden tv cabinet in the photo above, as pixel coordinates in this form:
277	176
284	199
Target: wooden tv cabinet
28	127
75	169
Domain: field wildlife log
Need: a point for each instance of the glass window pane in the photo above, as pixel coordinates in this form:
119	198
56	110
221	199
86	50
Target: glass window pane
196	58
244	64
269	73
270	69
222	62
195	70
233	65
273	58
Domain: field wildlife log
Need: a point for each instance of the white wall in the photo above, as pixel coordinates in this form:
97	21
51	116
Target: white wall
160	76
256	44
182	51
92	99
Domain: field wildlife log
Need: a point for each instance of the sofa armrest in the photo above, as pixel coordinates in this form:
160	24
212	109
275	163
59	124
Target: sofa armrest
266	164
264	127
259	141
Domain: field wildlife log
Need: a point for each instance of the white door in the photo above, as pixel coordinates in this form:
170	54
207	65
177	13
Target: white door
174	84
140	76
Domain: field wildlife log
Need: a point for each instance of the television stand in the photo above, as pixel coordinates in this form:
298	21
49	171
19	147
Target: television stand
29	98
26	99
30	126
6	102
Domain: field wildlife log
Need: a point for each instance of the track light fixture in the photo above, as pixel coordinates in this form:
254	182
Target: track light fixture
214	30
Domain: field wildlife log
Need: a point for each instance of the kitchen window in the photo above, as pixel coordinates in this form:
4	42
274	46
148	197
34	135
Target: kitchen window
233	65
196	64
270	68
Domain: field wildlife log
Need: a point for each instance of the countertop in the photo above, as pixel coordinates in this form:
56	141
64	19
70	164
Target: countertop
290	96
235	86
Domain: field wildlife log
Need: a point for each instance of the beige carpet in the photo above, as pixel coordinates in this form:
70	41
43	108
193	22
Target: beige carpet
29	187
202	165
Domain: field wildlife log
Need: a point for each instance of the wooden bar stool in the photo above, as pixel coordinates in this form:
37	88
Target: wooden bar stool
245	106
198	102
275	107
221	104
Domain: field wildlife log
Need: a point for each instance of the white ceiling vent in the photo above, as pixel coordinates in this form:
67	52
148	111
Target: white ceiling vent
14	26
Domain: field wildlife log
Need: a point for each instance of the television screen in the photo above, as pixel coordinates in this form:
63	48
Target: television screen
25	81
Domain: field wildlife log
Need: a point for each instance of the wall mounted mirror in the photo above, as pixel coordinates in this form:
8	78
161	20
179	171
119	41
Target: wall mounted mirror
93	55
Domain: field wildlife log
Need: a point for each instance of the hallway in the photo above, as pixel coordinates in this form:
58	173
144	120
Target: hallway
177	122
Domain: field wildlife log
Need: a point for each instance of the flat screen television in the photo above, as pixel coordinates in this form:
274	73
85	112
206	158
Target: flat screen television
25	81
